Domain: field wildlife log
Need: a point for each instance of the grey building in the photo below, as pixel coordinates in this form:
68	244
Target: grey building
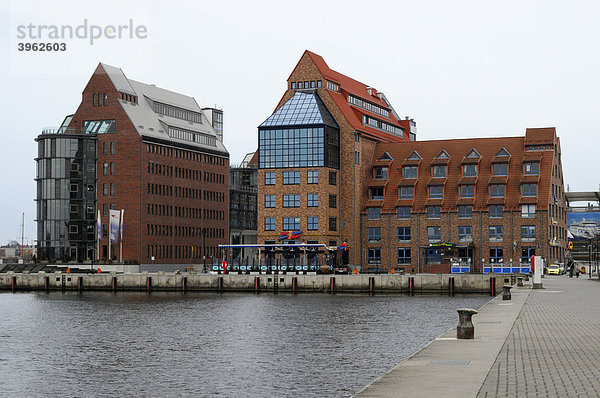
242	203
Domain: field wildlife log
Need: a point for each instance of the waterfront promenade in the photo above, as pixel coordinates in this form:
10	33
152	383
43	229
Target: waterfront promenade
542	343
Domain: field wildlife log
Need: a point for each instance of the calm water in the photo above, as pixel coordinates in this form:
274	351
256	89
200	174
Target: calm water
208	344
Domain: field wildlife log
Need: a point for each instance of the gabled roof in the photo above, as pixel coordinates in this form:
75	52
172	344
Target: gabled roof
502	152
150	124
354	114
414	156
473	154
385	156
443	155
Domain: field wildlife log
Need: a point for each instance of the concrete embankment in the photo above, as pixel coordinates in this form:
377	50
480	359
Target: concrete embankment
396	284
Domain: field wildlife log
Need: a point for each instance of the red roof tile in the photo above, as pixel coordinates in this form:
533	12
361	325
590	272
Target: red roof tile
458	149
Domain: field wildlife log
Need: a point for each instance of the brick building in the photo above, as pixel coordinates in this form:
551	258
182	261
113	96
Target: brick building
314	155
149	151
475	202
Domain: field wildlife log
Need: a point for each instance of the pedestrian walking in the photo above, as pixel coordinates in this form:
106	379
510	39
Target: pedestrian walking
571	270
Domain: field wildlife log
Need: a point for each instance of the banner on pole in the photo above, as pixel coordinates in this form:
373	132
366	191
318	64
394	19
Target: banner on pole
99	228
121	229
114	225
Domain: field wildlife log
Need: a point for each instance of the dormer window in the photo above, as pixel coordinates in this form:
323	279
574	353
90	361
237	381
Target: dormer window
293	85
473	154
438	171
443	155
384	156
469	170
409	171
529	190
503	152
414	156
499	169
436	192
376	193
380	173
531	168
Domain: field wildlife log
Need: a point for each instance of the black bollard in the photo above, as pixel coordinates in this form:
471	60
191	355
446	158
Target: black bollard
465	328
148	284
506	292
184	283
520	282
257	284
114	283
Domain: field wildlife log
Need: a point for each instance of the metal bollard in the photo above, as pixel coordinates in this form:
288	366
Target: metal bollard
411	286
520	282
148	284
492	286
332	284
465	328
451	286
506	292
371	285
257	284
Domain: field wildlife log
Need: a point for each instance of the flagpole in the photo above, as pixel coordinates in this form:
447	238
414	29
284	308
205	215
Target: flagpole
98	232
121	239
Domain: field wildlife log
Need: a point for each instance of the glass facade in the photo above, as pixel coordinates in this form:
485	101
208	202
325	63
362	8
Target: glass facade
299	147
301	133
66	196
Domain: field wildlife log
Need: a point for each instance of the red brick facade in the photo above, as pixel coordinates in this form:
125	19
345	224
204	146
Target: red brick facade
547	215
175	197
357	144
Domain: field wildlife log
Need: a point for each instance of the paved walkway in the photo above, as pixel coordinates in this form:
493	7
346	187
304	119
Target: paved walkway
543	343
553	349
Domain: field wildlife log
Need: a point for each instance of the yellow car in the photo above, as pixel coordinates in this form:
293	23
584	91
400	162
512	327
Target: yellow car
553	269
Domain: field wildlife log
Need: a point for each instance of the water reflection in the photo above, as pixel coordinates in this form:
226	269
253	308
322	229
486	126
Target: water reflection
202	344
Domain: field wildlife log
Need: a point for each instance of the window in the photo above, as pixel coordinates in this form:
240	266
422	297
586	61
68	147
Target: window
499	169
496	255
105	147
406	192
527	233
332	201
409	171
529	189
291	223
403	234
269	201
531	168
319	84
496	211
465	233
270	178
293	85
496	233
403	255
380	173
443	155
291	200
438	171
112	189
374	234
312	177
73	229
376	193
434	212
301	85
526	253
312	223
269	223
332	223
403	213
332	178
497	190
374	256
436	192
502	152
434	234
467	191
312	200
469	170
112	169
94	101
105	169
73	208
465	211
105	99
105	189
374	213
356	157
291	178
527	211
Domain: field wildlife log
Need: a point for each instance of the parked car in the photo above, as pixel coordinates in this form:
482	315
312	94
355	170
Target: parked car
553	269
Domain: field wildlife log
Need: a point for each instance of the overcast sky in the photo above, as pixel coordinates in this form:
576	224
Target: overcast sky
459	68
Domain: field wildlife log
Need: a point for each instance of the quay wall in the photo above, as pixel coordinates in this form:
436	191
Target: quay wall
323	283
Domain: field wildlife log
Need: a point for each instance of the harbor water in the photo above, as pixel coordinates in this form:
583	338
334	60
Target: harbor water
209	344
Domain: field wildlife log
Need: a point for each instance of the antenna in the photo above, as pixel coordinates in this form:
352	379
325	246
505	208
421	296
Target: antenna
22	235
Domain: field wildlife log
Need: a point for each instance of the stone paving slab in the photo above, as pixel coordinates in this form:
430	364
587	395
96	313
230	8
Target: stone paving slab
543	343
449	367
554	347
